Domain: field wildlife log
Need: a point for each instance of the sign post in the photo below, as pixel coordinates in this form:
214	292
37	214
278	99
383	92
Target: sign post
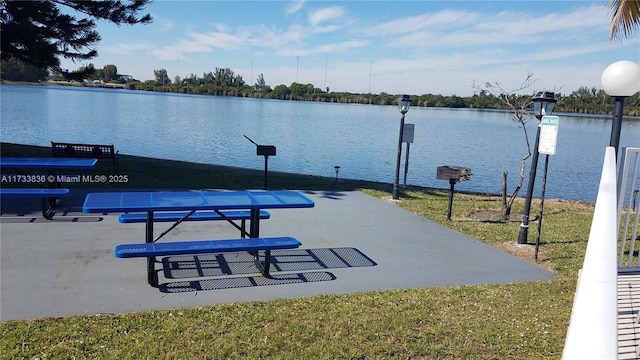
266	151
547	146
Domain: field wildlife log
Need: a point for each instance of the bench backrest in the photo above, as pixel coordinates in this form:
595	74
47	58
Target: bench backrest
94	151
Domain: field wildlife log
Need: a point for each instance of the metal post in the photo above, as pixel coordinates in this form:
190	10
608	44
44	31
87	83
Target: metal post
524	227
396	190
152	276
544	188
452	184
266	167
617	123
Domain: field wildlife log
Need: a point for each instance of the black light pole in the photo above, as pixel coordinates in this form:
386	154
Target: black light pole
404	101
543	104
620	80
616	125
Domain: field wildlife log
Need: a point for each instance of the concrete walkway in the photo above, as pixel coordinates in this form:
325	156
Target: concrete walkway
352	242
628	315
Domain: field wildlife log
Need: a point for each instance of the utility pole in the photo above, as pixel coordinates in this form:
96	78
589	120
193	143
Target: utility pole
370	71
178	59
326	62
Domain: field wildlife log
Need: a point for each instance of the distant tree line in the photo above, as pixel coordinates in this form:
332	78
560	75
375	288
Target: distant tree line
15	70
224	82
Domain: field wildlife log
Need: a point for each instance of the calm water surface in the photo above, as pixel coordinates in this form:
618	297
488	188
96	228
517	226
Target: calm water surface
311	138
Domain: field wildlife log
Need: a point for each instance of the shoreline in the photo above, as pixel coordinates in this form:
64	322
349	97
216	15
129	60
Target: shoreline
13	149
118	86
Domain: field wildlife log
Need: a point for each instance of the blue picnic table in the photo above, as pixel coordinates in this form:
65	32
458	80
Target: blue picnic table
46	163
192	201
51	194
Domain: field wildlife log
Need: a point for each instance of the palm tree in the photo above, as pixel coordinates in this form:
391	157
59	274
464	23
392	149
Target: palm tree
625	17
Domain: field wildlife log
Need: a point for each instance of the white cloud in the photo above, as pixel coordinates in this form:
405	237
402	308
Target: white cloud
456	29
162	24
166	53
294	33
433	52
323	49
128	48
216	39
323	15
294	7
326	29
427	22
191	47
509	26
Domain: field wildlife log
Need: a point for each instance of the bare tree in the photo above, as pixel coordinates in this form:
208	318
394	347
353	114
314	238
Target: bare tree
518	105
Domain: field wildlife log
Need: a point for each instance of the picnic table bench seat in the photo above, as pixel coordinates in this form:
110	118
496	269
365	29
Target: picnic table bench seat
197	216
43	193
252	245
228	215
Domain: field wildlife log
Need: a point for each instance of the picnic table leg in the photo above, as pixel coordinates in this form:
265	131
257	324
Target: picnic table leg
46	208
152	276
254	232
254	223
263	267
53	202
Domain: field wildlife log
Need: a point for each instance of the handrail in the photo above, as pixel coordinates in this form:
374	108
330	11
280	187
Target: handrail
593	329
627	203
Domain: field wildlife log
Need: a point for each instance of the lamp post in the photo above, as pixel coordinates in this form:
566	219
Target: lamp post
543	104
620	80
404	101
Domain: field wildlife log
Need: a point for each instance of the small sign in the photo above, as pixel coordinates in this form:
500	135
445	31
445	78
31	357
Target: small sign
266	150
548	135
407	133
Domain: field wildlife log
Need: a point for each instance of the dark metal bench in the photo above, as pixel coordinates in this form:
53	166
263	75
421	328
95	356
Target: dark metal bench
252	245
93	151
44	193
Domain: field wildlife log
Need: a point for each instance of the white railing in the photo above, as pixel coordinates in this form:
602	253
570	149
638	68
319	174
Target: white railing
628	203
593	329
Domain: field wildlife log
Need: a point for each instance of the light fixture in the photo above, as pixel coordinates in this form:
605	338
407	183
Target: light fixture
404	101
620	80
543	103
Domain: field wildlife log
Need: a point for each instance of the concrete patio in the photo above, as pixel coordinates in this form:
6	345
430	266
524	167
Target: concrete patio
351	242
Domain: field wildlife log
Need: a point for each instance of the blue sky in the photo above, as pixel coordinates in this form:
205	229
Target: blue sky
414	47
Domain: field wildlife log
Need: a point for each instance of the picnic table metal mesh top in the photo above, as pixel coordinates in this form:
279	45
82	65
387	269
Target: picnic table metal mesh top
193	200
47	163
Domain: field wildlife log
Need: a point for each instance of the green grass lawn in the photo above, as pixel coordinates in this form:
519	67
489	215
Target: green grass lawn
515	321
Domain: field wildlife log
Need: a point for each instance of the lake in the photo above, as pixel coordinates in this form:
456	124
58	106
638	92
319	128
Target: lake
312	138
